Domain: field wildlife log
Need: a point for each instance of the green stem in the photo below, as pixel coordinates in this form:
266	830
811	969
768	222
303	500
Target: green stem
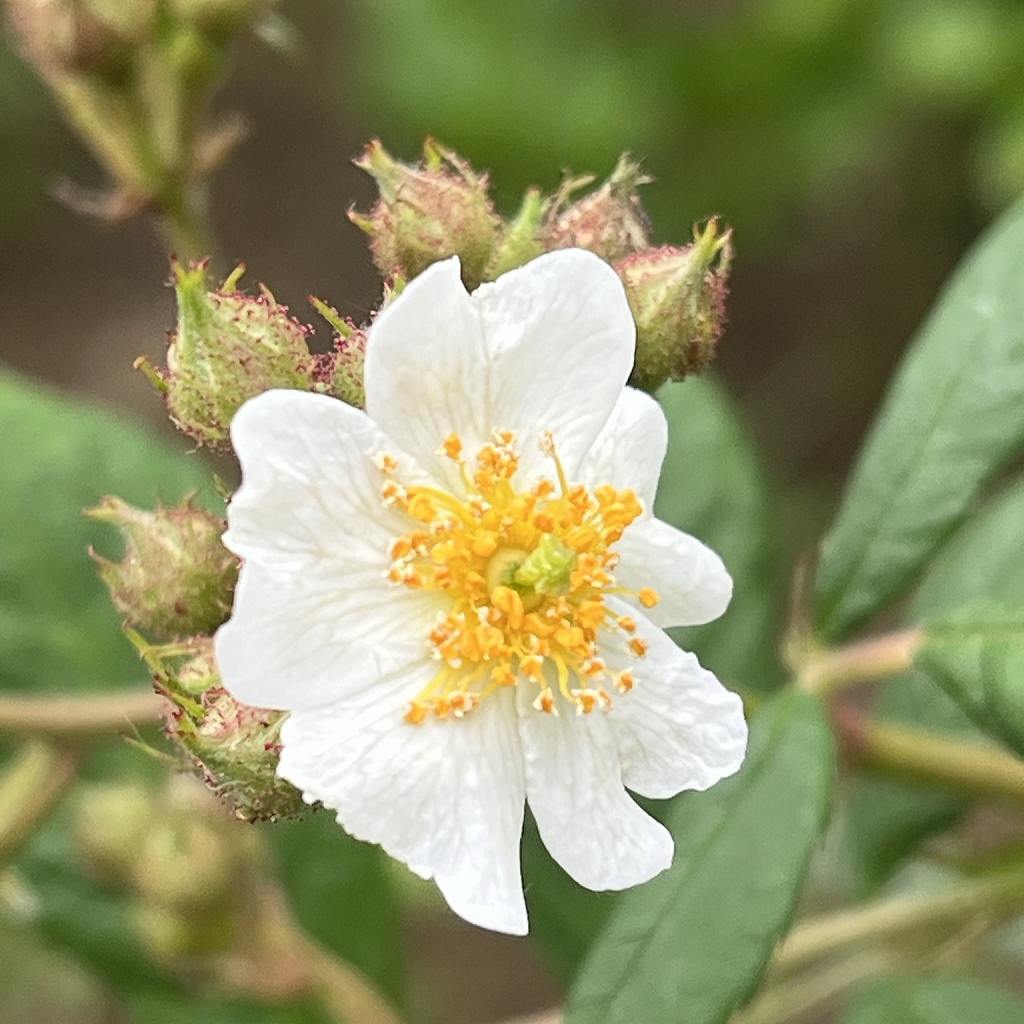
972	768
1000	895
786	1002
182	216
30	787
826	672
71	717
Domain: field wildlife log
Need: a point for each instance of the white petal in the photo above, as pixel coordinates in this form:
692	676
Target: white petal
444	797
546	347
588	822
427	371
678	728
314	615
690	579
310	491
297	640
631	447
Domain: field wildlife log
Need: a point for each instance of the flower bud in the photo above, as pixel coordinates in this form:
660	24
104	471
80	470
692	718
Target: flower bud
610	222
233	747
677	295
228	347
80	36
520	239
426	212
340	371
186	860
108	823
175	577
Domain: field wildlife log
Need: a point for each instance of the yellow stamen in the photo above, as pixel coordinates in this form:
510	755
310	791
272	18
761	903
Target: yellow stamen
524	577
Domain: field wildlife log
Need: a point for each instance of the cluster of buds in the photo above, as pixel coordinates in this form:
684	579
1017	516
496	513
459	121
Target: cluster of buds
440	207
174	583
135	79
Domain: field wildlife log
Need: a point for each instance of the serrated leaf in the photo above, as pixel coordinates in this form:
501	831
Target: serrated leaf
983	562
59	455
977	656
934	1000
954	416
713	487
692	944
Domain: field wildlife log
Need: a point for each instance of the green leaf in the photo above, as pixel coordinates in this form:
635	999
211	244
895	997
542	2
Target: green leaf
713	487
341	892
977	656
983	562
934	1000
953	418
692	944
58	455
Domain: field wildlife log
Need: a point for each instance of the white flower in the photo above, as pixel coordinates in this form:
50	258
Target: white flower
460	594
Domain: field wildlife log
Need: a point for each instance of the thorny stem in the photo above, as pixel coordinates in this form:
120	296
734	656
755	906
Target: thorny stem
78	717
31	786
998	895
972	768
825	672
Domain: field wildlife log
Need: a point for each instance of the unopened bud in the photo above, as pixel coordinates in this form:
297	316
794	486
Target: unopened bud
227	348
340	371
188	859
80	36
610	222
677	295
520	239
108	823
233	747
175	578
427	212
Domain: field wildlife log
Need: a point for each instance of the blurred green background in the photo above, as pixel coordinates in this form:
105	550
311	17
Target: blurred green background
856	146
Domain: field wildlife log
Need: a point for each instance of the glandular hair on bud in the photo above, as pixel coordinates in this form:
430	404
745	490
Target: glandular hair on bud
340	371
228	346
232	747
427	212
175	577
677	295
610	221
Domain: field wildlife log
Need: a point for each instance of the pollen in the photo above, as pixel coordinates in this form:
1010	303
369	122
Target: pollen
522	574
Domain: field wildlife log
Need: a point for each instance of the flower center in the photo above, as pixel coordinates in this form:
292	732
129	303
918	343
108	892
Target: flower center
526	574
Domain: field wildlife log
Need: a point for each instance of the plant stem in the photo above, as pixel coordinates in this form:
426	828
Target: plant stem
78	716
184	222
30	787
1000	894
825	672
791	1000
972	768
347	992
